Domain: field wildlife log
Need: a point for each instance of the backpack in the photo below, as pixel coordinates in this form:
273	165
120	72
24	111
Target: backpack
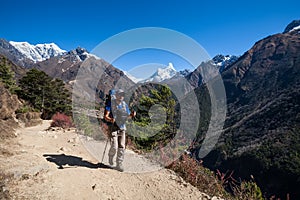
108	102
120	114
107	126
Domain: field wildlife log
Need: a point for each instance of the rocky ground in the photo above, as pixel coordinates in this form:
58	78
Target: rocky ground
60	164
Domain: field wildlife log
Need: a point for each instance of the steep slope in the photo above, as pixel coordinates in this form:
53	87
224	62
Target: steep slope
19	71
8	105
262	132
211	68
64	66
9	51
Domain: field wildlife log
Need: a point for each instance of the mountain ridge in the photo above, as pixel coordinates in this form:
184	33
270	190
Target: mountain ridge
294	25
262	122
9	51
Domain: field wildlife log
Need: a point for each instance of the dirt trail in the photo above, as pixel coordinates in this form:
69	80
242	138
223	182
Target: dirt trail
56	165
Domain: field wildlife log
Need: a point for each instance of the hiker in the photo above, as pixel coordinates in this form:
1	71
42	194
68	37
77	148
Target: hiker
117	112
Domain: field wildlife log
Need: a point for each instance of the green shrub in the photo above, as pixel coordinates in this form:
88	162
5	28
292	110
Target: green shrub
7	76
25	109
248	190
83	123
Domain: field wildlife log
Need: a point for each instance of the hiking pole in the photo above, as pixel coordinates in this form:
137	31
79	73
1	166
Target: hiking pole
104	150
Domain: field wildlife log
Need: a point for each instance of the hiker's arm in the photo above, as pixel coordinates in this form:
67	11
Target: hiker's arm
107	118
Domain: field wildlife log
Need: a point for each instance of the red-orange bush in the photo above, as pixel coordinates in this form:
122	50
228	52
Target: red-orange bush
193	172
61	120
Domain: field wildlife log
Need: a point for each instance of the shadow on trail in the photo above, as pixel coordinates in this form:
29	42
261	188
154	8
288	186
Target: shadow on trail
72	161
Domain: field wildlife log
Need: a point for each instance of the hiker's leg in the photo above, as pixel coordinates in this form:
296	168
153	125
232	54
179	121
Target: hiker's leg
121	139
121	149
113	147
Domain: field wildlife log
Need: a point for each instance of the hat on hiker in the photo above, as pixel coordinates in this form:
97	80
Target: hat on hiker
120	92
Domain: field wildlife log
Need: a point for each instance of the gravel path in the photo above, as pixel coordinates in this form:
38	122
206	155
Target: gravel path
61	165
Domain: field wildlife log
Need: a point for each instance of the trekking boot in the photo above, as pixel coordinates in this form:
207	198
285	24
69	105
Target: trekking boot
120	158
120	167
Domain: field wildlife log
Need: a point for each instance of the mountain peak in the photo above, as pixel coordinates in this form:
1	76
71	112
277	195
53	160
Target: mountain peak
162	74
81	50
224	61
170	67
80	53
294	25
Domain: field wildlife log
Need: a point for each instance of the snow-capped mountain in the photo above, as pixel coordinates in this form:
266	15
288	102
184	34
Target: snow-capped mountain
224	61
9	51
39	52
79	54
293	26
162	74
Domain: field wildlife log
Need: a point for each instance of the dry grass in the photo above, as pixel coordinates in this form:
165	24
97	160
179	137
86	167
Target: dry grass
7	128
4	179
214	184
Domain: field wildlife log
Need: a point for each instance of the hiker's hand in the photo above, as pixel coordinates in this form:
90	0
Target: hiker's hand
133	113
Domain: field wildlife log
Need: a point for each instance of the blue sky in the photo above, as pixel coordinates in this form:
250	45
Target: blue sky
226	27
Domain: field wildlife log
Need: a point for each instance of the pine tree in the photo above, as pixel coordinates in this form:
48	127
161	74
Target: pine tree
157	133
7	75
44	93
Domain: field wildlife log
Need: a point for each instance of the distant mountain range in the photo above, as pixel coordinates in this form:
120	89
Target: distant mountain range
64	65
39	52
58	63
160	75
169	72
